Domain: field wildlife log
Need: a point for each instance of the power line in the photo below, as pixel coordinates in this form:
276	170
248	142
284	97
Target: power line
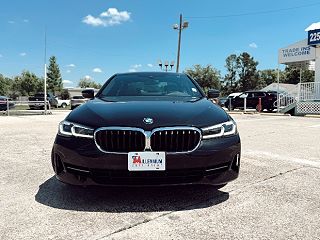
255	13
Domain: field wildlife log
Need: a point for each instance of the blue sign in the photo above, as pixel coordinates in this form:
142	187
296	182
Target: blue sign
314	37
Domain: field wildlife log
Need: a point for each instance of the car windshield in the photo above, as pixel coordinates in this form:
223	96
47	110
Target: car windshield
153	85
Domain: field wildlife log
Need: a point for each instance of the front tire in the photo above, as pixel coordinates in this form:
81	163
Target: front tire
63	105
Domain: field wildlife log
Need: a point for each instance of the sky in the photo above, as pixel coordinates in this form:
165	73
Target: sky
98	38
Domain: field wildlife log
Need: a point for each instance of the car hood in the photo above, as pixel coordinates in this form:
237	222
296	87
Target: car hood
98	113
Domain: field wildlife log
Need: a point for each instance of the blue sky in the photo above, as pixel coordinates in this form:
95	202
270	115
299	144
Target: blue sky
98	38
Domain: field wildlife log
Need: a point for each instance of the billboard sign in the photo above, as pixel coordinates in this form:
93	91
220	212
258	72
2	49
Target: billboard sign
297	52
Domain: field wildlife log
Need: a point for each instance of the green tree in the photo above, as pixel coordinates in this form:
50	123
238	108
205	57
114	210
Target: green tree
88	83
29	83
230	81
5	85
207	77
292	75
26	84
65	94
54	80
247	69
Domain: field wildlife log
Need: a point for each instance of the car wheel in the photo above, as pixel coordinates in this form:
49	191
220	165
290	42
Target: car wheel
63	105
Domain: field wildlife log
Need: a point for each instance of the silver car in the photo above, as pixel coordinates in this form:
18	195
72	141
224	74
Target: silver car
77	101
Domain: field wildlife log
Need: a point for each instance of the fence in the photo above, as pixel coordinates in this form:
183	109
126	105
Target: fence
24	107
309	91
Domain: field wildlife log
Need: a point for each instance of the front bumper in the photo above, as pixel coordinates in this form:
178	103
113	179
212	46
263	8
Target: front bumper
78	161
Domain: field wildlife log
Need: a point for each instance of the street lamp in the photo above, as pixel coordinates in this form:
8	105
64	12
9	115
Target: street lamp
166	64
180	27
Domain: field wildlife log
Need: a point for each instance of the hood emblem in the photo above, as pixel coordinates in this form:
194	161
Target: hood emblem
148	120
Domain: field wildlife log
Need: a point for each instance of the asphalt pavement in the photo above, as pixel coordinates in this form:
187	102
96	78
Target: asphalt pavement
275	197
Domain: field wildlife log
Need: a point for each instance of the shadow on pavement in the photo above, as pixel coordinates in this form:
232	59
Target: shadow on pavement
127	199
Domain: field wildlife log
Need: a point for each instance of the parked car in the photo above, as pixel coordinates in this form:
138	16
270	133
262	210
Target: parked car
76	101
37	101
150	128
4	103
63	103
222	101
233	95
267	100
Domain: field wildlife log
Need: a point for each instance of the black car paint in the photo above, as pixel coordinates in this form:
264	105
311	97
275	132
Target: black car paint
98	113
82	154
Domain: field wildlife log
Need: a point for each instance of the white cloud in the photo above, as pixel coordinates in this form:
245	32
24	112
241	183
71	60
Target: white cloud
132	70
23	54
87	77
25	20
11	22
97	70
253	45
150	65
110	17
136	66
71	65
68	82
68	71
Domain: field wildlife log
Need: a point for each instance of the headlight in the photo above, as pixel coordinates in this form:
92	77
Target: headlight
219	130
71	129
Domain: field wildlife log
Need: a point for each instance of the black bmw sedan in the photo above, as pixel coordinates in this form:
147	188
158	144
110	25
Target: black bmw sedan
147	129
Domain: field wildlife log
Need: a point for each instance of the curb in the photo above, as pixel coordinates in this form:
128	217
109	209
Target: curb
312	116
263	114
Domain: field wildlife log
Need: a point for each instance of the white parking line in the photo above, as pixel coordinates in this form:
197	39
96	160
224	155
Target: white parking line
259	119
315	126
254	154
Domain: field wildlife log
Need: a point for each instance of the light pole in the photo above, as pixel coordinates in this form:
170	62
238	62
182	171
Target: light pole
180	27
166	65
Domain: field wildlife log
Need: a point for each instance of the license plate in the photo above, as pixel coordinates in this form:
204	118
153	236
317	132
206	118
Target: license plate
146	161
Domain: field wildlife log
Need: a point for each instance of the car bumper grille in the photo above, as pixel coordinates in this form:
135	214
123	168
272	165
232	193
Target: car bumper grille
120	140
124	140
175	140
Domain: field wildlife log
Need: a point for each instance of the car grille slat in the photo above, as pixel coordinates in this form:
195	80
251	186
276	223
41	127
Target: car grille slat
178	140
168	140
121	141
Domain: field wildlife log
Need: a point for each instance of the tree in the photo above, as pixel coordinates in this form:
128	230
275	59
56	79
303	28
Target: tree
65	94
292	75
5	85
29	83
26	84
207	77
230	81
54	80
247	69
88	83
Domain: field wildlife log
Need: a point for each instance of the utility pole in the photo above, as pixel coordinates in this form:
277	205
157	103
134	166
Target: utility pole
45	71
182	25
179	44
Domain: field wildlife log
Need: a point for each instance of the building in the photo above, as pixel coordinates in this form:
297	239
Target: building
78	91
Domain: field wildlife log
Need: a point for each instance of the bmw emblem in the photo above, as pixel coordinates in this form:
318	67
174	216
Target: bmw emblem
148	120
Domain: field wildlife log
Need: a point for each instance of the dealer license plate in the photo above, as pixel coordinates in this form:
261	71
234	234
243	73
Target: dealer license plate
146	161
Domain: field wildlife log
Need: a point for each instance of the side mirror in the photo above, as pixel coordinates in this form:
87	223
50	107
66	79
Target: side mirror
213	93
88	93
